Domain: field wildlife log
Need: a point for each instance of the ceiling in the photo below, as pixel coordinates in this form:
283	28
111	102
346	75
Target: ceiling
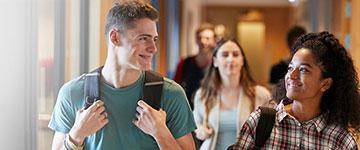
247	2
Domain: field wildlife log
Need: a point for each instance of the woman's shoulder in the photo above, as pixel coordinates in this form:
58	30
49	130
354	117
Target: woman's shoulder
197	95
344	138
261	89
262	92
253	118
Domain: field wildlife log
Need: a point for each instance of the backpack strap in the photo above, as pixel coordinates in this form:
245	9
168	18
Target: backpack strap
265	126
92	87
152	89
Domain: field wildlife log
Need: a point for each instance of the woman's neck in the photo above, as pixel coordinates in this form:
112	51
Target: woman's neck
229	96
230	82
303	111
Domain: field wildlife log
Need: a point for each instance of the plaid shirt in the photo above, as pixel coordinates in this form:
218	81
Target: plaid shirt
289	133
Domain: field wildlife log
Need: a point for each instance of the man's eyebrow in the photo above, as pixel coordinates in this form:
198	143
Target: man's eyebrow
147	35
144	34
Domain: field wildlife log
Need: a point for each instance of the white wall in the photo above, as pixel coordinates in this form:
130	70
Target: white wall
16	48
94	34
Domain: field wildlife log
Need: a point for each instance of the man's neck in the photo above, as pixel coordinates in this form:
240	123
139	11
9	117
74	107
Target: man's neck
118	76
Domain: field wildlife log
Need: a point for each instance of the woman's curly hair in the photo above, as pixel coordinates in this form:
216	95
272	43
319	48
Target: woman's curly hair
342	99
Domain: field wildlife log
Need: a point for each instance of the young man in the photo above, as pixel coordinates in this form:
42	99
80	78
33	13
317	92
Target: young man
191	70
120	120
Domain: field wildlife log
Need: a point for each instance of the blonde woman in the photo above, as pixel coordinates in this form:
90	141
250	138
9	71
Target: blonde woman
227	95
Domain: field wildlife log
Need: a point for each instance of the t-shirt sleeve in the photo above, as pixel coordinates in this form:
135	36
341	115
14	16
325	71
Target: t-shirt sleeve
63	116
180	119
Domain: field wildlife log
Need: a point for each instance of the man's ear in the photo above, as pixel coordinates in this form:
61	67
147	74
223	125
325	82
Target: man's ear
114	37
326	84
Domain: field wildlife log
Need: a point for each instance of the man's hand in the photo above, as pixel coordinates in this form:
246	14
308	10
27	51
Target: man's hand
88	122
203	132
149	120
153	122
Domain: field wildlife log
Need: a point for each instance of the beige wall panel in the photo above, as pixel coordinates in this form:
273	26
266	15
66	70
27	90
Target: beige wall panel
105	6
276	20
355	33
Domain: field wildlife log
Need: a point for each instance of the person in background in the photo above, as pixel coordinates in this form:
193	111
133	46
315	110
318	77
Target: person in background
319	100
279	69
120	120
226	97
220	32
190	70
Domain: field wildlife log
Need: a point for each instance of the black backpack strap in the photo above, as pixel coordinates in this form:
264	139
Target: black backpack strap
92	87
152	89
265	126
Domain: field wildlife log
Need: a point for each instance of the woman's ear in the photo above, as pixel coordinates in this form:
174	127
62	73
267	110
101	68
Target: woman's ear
215	62
114	37
326	84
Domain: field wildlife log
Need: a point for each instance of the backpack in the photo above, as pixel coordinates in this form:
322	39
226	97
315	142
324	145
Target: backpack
264	127
152	88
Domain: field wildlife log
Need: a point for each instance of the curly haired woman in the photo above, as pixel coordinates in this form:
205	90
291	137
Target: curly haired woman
320	101
227	96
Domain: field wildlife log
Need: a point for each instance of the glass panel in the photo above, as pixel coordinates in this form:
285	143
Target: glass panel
46	70
48	54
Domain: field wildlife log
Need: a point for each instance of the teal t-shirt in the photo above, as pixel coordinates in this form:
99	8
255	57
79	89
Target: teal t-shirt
120	104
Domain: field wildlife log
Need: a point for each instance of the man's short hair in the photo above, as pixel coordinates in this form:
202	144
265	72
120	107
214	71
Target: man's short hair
205	26
123	14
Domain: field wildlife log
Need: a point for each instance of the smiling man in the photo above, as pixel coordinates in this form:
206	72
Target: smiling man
120	120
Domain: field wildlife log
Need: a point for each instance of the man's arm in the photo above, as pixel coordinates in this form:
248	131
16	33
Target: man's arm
185	142
152	122
58	141
86	123
166	141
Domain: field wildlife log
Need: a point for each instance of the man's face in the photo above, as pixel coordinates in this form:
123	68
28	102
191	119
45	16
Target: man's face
138	45
206	40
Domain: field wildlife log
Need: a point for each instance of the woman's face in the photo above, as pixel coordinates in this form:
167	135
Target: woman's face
304	77
229	59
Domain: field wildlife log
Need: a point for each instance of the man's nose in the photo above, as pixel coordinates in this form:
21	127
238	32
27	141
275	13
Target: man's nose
204	40
152	47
